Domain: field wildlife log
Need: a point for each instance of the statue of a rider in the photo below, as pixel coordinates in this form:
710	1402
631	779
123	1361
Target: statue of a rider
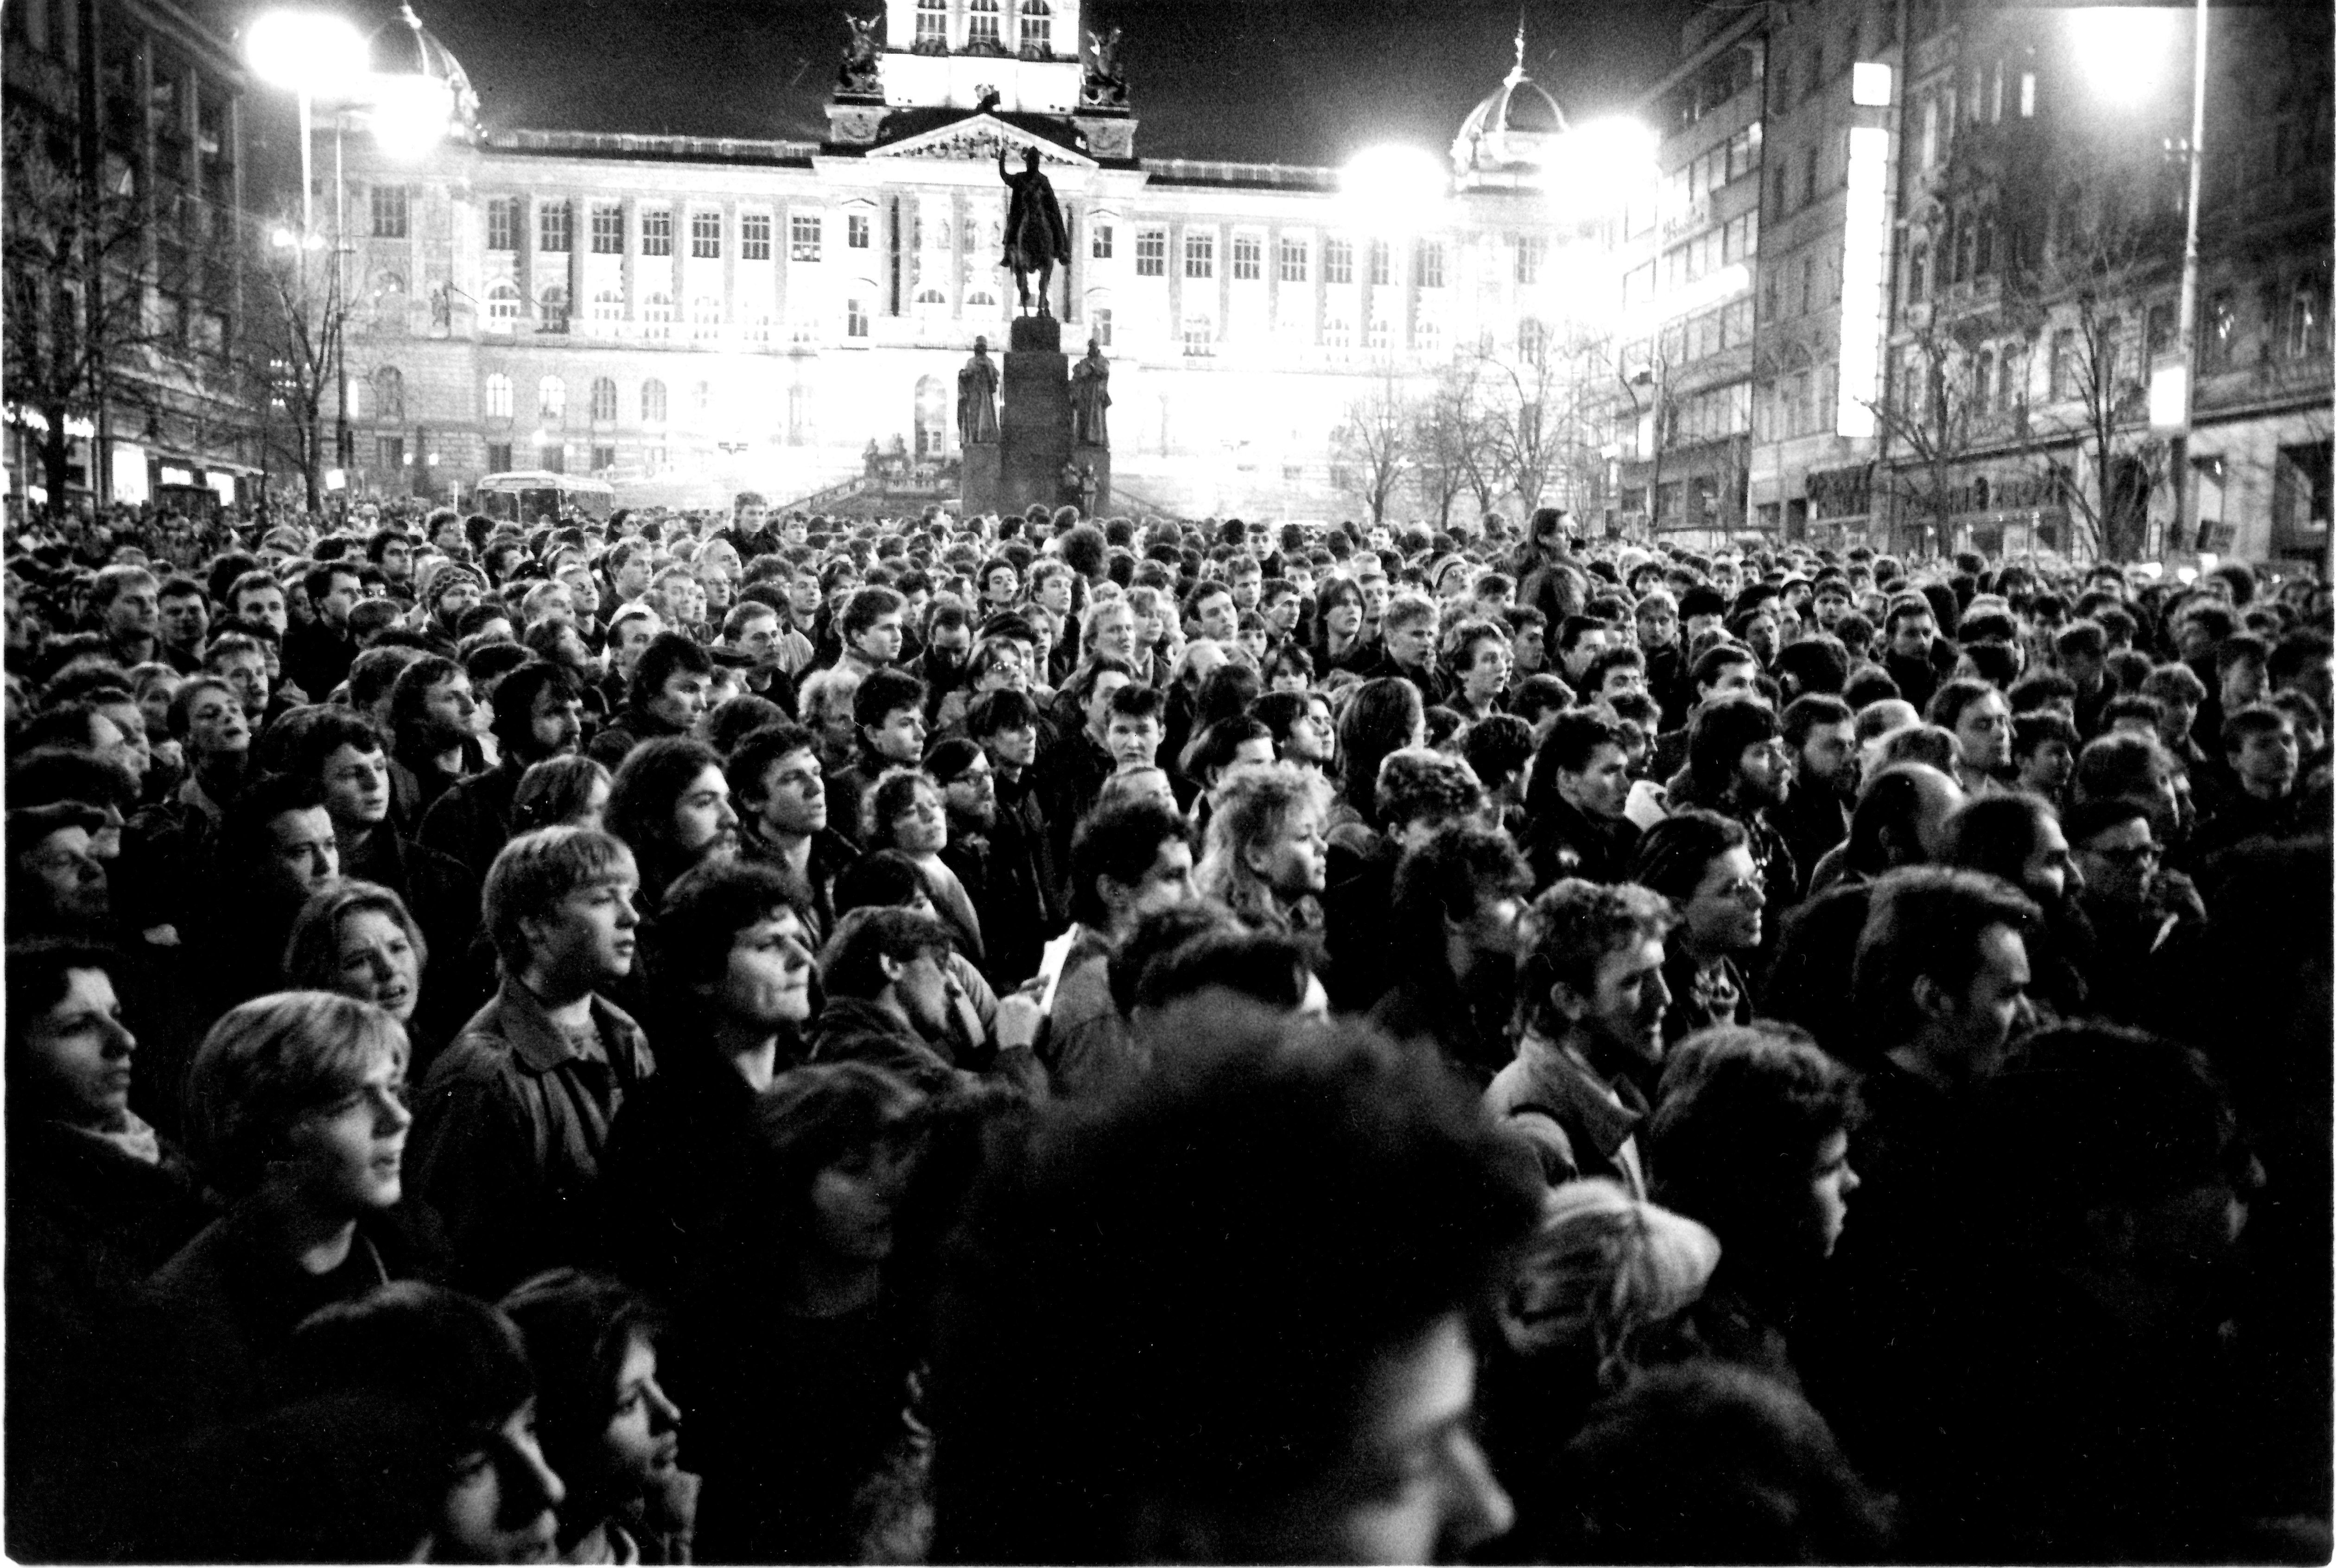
1036	238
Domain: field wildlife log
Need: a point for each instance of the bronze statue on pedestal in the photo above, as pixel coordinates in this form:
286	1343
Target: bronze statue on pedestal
1036	237
976	398
1090	396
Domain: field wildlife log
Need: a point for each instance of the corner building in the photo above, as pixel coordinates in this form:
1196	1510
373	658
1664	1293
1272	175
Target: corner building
690	316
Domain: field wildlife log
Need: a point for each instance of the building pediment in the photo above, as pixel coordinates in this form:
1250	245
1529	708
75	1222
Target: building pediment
979	138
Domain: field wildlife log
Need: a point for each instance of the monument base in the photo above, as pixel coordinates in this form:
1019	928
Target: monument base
977	479
1099	460
1025	467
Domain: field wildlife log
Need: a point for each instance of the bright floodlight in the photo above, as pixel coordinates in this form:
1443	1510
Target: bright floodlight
1394	186
410	114
2123	51
1602	165
312	51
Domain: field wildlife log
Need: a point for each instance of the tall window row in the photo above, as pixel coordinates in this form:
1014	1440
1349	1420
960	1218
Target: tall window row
606	226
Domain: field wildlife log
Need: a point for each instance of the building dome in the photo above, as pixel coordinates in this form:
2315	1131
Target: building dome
1512	132
407	48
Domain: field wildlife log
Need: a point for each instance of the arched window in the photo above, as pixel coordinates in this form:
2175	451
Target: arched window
1983	381
552	397
931	296
604	398
653	402
391	283
389	393
607	306
656	316
705	317
941	235
503	303
931	417
1038	27
553	306
980	299
1918	273
498	396
981	26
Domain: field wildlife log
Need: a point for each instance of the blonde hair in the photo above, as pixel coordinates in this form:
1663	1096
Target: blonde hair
269	1063
1252	803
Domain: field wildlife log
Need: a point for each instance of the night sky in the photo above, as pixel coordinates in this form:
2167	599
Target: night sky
1301	81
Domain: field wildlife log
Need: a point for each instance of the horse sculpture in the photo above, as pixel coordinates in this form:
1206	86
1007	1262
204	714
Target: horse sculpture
1036	238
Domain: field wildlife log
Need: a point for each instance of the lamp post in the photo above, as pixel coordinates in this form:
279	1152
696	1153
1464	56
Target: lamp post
1652	379
2177	446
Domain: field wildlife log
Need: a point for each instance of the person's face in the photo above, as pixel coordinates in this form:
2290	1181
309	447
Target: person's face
632	579
1983	733
1532	649
348	1156
759	638
154	703
1658	626
590	934
1980	1023
704	822
1282	615
1166	882
2048	873
681	701
184	618
2048	768
639	1448
1114	632
1736	675
853	1200
922	987
1132	740
70	864
248	673
973	793
1910	639
1218	616
1832	605
499	1506
999	585
340	598
881	643
1412	644
802	596
1344	615
767	982
1054	591
216	725
1294	860
1760	634
1627	1003
1619	680
1726	576
356	788
457	598
576	576
450	537
2120	864
452	710
1487	675
117	734
1413	1487
1098	704
922	825
397	560
1828	752
752	519
1375	594
901	738
633	638
2267	762
1013	748
1723	915
376	962
714	589
78	1054
134	612
1764	771
1603	785
1246	586
1830	1185
794	796
303	854
1308	742
555	724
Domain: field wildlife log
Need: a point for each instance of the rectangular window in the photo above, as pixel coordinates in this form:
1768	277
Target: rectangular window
656	231
503	223
981	26
856	231
1151	253
1533	253
802	236
1337	261
608	231
1200	254
855	318
498	457
932	23
1101	317
1249	257
1200	338
1382	264
390	214
705	235
1293	260
2064	363
1427	264
1099	242
552	459
754	236
389	451
2218	329
603	458
555	227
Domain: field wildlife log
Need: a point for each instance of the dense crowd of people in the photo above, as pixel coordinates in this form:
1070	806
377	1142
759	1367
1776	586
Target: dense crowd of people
763	1038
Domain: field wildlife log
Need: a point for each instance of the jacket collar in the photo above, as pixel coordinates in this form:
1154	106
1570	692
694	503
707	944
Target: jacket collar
536	1042
1561	1077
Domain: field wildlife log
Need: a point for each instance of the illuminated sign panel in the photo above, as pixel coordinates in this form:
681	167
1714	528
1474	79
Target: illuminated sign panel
1865	249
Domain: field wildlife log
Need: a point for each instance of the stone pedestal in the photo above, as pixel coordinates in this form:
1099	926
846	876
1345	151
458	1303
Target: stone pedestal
1033	426
1099	460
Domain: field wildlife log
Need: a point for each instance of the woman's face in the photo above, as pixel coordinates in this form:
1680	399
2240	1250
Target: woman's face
500	1505
1724	914
377	963
154	701
853	1200
1286	679
1829	1188
348	1157
1149	625
921	825
594	812
768	980
643	1437
1344	615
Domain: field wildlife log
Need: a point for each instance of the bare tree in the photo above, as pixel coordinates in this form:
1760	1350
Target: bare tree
1373	447
294	321
1545	412
1450	438
1939	408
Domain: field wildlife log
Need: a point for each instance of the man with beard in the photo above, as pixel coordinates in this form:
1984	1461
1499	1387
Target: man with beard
891	1001
538	714
1581	782
949	643
431	714
1591	1002
1738	765
1822	734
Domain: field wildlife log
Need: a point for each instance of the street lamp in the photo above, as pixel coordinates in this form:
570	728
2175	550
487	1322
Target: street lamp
1652	380
310	54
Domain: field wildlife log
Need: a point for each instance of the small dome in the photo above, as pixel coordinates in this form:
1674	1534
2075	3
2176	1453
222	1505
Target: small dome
1511	130
407	48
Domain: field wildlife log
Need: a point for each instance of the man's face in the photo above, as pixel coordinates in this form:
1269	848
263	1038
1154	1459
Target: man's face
2265	761
920	985
1532	648
340	598
1827	752
555	724
77	1056
767	985
1602	788
1375	594
1054	591
1724	912
972	795
185	619
759	639
1764	771
1282	615
450	710
356	788
1245	585
71	869
127	747
1218	617
1132	739
215	723
2120	864
1412	644
1658	626
303	854
705	823
1736	675
397	560
1983	733
1307	744
248	673
588	937
881	643
1626	1005
949	645
1487	675
134	612
753	518
1586	648
1912	637
265	605
1013	748
1980	1022
999	585
632	639
1618	680
901	738
1098	703
1760	634
632	579
457	599
1166	882
1832	605
681	701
